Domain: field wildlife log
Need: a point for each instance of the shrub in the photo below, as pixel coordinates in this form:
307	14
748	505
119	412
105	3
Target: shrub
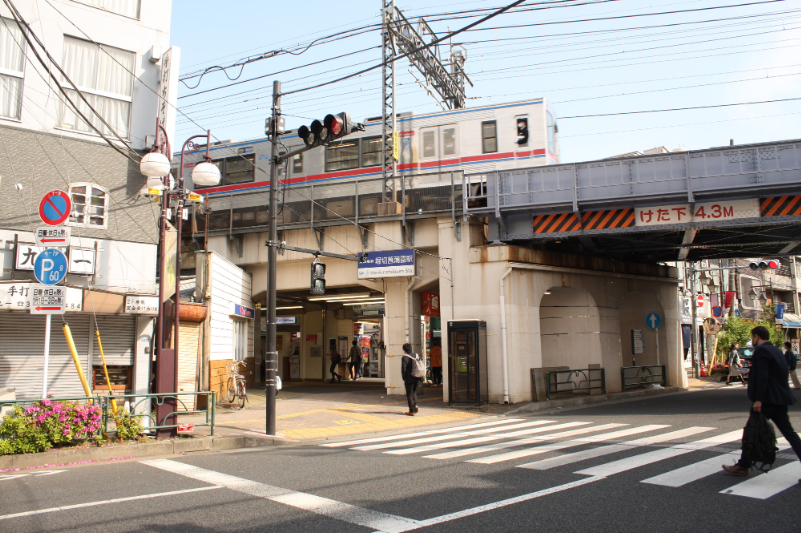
128	427
47	423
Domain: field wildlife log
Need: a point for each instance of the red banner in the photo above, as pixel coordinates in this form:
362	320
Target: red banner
430	304
729	299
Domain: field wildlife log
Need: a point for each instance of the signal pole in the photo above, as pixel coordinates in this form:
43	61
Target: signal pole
271	362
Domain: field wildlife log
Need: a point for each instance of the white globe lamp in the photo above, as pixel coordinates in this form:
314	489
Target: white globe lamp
154	165
206	174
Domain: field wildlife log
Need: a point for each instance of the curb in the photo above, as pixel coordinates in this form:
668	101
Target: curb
590	400
136	451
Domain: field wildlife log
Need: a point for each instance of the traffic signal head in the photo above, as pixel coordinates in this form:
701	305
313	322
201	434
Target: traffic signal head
306	136
331	128
765	264
317	277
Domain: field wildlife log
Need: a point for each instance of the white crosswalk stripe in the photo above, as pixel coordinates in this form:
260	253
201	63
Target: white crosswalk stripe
643	459
522	442
693	472
476	440
764	486
453	434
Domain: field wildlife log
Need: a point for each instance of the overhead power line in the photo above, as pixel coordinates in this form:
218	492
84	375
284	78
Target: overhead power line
680	109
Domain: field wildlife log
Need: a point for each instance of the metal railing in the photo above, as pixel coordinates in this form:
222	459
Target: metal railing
581	381
141	400
333	203
634	376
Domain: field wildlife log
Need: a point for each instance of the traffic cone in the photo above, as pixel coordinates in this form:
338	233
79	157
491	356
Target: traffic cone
703	368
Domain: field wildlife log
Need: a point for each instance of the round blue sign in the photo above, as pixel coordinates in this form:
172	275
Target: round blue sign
653	320
50	266
737	313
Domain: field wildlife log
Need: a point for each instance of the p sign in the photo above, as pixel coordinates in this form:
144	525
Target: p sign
50	266
55	207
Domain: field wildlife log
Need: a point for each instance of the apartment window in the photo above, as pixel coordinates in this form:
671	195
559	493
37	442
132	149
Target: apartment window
11	62
89	206
240	339
104	77
297	164
342	156
371	152
128	8
489	137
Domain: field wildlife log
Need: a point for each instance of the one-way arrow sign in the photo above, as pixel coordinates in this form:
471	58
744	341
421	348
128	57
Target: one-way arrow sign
653	320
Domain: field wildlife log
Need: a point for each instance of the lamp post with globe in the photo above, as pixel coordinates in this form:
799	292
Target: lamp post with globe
156	166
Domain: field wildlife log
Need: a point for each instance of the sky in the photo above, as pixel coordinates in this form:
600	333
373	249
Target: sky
587	57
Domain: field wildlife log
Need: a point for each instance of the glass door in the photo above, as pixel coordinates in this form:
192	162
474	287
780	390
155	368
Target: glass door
462	366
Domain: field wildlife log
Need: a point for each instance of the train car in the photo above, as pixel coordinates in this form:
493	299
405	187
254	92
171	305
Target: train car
480	139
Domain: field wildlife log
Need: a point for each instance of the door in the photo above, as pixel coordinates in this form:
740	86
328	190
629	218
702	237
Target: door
462	366
439	147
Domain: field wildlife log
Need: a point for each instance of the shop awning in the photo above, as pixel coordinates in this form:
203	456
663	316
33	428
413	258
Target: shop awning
791	321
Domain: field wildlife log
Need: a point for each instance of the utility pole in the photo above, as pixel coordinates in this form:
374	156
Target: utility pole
694	330
271	354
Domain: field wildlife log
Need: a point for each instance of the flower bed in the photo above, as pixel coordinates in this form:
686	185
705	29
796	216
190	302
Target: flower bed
48	423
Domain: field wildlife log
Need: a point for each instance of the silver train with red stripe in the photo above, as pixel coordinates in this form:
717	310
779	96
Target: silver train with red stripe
472	140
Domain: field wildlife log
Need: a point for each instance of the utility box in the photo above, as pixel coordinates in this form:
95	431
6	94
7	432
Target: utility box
467	362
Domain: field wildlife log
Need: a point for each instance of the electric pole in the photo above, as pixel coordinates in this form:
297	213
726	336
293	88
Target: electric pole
271	361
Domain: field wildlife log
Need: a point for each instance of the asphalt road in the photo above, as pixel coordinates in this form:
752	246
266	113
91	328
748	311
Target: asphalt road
390	487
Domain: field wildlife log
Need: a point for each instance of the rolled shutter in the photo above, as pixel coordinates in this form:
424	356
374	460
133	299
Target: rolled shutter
118	335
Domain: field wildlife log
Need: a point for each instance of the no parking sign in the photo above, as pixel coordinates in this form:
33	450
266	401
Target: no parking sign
55	207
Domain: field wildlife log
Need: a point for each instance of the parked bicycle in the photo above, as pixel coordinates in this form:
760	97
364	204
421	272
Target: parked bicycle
235	385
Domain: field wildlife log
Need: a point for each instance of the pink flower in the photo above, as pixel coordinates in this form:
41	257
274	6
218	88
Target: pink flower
66	432
47	402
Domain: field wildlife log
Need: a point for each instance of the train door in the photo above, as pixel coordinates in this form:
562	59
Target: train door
439	146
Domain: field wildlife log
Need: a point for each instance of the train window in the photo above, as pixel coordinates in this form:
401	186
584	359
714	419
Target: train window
238	169
342	156
449	141
429	143
371	152
297	164
489	137
522	131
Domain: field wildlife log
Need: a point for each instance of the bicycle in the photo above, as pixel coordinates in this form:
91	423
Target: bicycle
235	386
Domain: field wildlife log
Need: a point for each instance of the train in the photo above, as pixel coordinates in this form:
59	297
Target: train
472	140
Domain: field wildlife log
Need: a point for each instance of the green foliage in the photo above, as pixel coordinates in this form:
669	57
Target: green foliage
45	424
738	330
128	427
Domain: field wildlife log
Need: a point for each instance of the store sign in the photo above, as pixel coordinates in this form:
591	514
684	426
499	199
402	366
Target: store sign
141	305
20	297
430	302
286	320
244	312
369	310
702	212
82	261
26	255
399	263
311	338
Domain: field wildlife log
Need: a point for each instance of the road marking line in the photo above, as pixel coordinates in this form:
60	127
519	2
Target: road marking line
687	474
459	433
636	461
104	502
316	504
597	452
420	433
489	438
764	486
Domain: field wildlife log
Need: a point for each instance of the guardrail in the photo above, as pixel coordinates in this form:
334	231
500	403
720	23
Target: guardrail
634	376
581	381
140	400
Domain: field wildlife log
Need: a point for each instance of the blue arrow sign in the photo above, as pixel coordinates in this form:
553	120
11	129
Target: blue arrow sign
737	313
653	320
50	266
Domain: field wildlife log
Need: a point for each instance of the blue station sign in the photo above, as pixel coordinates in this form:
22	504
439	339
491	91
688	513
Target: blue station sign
399	263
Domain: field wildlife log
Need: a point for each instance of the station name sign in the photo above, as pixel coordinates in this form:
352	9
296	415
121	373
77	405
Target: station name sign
398	263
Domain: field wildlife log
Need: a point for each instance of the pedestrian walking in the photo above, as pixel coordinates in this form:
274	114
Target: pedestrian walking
770	394
335	360
355	359
408	363
792	364
435	357
734	364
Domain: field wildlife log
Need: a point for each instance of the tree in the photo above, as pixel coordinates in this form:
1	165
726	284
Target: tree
738	330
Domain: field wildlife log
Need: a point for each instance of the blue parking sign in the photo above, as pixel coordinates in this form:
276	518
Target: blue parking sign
50	266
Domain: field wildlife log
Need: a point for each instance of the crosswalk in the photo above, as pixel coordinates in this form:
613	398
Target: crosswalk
508	441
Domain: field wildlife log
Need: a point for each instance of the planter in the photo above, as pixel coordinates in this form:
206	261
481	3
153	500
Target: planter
192	312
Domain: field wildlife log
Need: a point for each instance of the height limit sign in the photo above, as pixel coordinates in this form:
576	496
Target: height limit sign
48	300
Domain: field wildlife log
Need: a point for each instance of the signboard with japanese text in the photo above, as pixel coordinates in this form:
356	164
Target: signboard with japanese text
242	311
285	320
702	212
19	297
82	261
637	341
369	309
46	300
141	305
398	263
53	237
26	255
171	256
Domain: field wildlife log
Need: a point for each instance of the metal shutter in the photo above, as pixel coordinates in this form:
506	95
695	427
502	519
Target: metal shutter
118	335
22	354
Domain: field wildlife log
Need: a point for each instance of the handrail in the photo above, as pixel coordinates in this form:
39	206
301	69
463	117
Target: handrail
562	381
634	376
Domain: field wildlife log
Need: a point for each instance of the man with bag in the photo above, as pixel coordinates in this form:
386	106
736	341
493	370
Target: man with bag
770	394
412	370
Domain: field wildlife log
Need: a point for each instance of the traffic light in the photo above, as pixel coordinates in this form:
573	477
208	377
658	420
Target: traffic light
765	264
331	128
317	277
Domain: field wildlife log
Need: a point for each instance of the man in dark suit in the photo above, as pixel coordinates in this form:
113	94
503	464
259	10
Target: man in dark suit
768	389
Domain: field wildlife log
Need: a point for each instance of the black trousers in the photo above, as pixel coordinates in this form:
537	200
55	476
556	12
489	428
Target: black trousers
333	370
436	375
411	394
778	414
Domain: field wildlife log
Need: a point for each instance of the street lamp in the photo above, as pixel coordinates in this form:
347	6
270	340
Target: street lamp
154	165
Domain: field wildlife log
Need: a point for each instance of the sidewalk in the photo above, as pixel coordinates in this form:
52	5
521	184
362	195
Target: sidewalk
314	410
